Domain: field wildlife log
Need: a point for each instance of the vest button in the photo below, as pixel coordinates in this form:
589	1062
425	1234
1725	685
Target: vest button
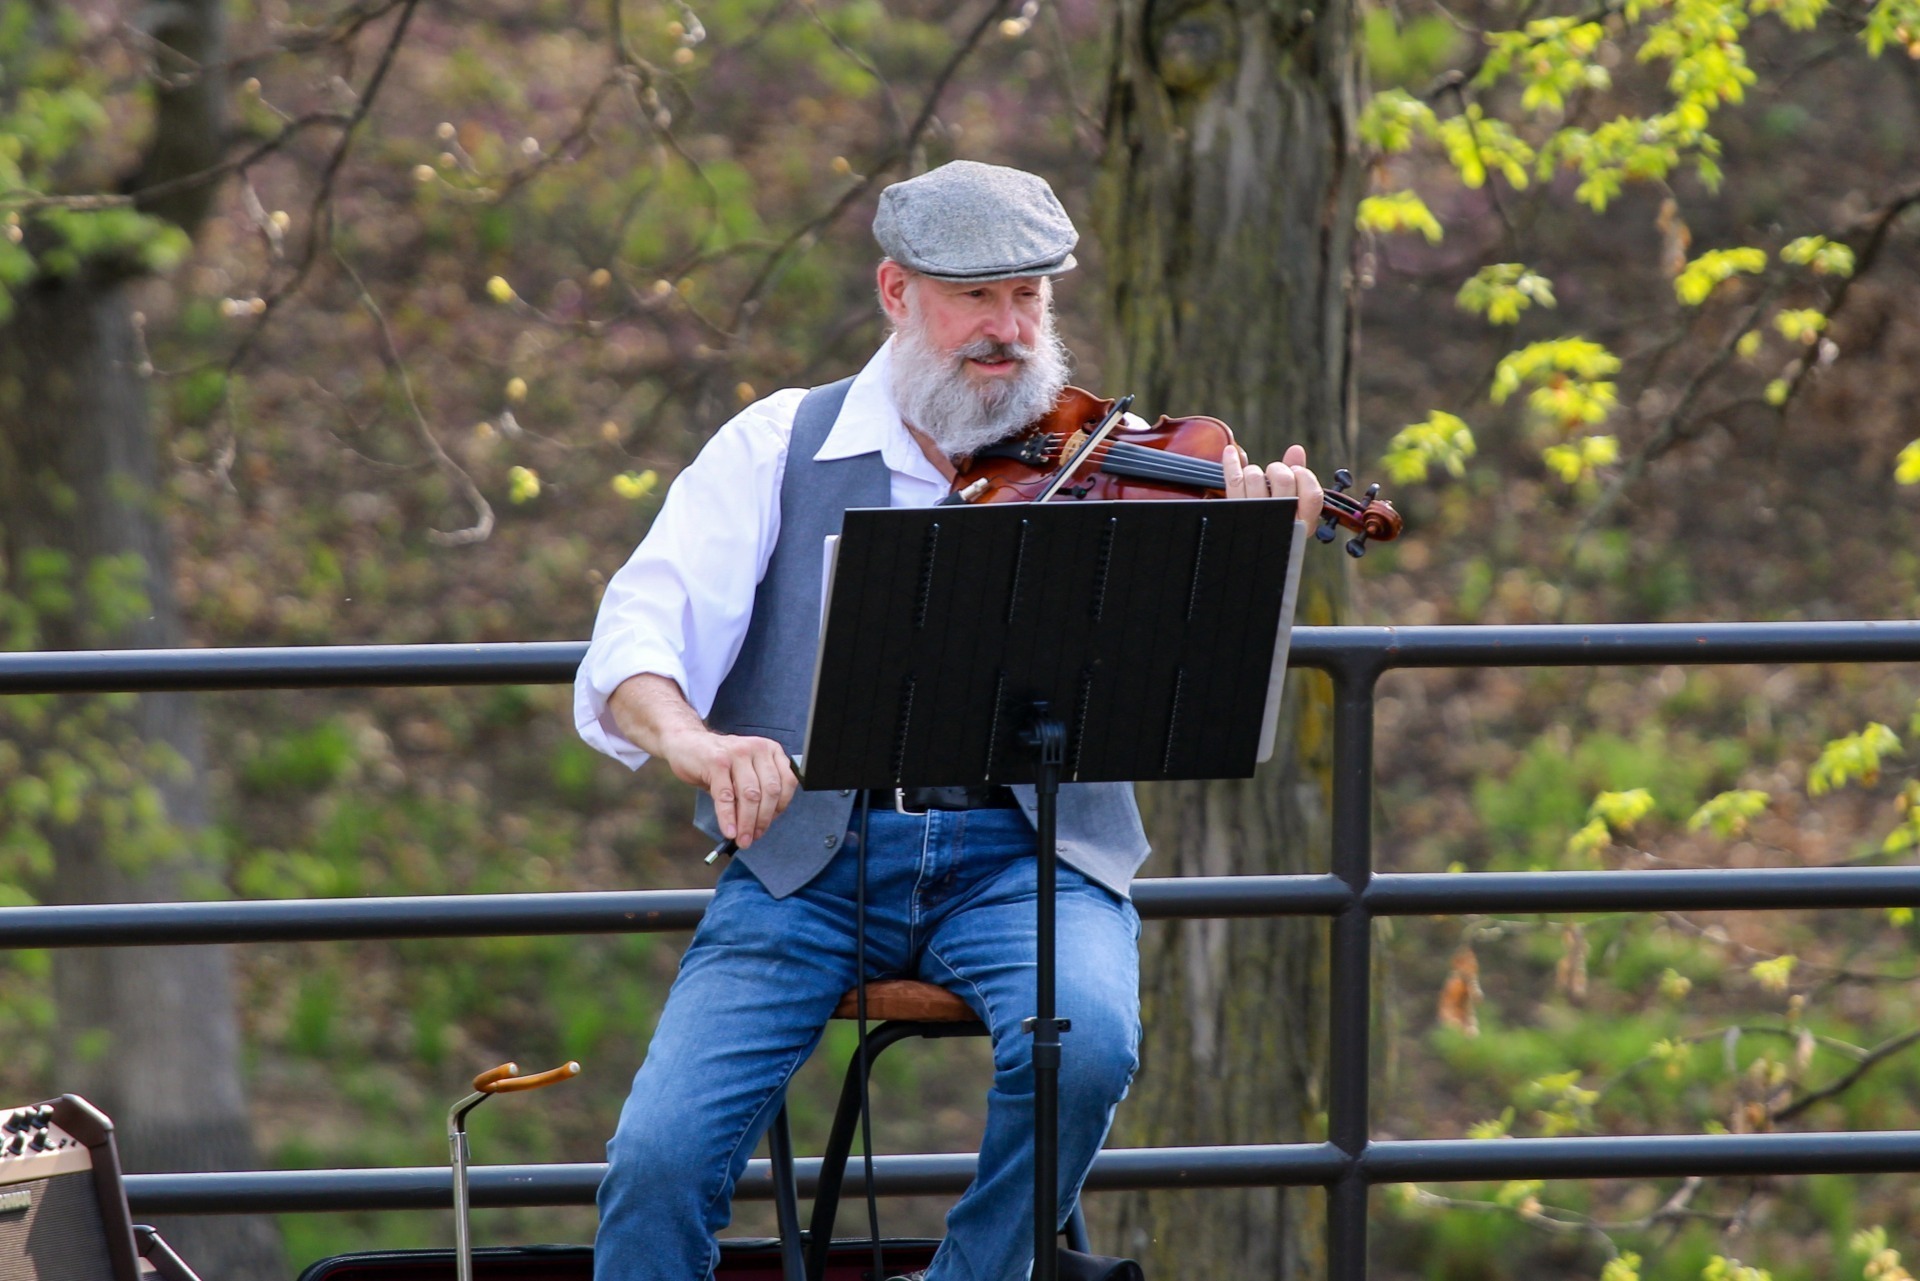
832	841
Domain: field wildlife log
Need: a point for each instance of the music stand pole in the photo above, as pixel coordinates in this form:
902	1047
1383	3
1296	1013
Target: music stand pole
1048	737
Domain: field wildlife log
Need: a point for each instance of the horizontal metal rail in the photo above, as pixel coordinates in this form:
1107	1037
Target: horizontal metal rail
1164	898
1350	895
431	1187
1229	1166
1327	648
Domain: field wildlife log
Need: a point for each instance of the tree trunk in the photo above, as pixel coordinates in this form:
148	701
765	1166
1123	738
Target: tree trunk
1229	188
149	1034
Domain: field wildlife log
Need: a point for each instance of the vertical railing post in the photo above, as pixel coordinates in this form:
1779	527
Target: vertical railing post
1350	976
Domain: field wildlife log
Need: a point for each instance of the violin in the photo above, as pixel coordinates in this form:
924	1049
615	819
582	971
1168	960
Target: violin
1173	458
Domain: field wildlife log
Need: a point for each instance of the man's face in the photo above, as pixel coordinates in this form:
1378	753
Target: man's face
973	362
1001	313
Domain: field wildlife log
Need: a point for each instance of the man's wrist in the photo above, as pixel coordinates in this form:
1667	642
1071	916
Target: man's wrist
651	713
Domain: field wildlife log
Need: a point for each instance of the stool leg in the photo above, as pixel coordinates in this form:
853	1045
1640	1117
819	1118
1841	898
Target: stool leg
786	1197
833	1162
1077	1231
846	1117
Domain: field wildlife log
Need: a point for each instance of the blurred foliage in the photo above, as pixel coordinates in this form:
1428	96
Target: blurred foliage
570	238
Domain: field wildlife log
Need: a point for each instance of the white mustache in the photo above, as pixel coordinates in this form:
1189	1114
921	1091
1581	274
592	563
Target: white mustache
987	349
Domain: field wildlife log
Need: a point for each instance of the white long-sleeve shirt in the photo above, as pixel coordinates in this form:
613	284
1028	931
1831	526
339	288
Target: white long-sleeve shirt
679	607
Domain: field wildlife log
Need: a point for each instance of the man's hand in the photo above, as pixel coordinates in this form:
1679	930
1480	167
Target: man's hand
750	779
1288	478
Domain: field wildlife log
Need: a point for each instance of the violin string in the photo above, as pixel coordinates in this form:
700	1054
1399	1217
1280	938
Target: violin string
1148	463
1153	464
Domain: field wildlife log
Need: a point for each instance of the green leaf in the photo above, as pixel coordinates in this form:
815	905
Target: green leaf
1624	1266
1720	1268
1575	357
523	484
1621	810
1802	325
1399	211
1852	759
1698	279
1826	257
1798	15
1906	468
1493	1128
1578	460
1502	291
1442	440
1729	813
1477	145
1589	840
1394	119
1894	22
1552	57
1774	975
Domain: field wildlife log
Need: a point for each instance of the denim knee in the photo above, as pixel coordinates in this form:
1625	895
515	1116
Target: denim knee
1098	1059
655	1160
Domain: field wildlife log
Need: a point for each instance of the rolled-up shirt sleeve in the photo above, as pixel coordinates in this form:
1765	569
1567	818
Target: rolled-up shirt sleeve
679	607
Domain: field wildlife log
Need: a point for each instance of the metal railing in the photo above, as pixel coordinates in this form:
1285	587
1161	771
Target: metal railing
1352	894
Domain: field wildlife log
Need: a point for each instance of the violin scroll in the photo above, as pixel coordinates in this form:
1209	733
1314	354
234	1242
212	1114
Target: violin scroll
1369	516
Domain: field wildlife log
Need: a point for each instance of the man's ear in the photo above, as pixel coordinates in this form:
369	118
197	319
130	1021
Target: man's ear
893	281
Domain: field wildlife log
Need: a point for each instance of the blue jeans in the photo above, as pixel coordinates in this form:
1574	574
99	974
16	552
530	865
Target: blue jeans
950	900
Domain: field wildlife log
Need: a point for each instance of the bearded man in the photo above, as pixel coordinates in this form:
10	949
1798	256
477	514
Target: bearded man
702	655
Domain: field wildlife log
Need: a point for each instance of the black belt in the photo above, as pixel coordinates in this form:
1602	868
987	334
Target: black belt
918	800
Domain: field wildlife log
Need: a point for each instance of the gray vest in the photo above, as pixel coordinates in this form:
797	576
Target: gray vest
767	691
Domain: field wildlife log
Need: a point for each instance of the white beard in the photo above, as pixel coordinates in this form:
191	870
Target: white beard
961	416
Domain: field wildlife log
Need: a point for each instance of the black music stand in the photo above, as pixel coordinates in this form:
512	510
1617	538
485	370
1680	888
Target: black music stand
1042	643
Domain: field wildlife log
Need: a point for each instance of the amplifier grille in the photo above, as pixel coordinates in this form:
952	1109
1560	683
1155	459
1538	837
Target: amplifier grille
59	1236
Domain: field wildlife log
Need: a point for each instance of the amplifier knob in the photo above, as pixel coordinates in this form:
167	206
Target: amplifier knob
39	1141
16	1145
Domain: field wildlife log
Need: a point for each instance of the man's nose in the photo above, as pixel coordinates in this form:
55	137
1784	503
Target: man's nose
1002	324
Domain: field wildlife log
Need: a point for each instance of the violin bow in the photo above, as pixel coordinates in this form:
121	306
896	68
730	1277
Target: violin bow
1100	433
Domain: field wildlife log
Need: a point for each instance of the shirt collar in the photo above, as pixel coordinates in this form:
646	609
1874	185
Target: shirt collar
870	422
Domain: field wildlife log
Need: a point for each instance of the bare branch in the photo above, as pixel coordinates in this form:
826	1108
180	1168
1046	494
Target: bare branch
1873	1058
861	61
390	352
1673	427
1877	225
806	232
320	208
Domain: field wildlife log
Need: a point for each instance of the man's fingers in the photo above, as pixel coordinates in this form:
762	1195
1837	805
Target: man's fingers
1280	482
789	783
752	798
770	764
1307	486
1296	456
720	787
1231	464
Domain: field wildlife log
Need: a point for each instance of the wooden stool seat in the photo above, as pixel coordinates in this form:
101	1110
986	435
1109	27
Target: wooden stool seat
907	1001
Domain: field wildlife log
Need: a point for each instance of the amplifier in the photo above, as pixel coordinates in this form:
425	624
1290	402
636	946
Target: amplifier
63	1211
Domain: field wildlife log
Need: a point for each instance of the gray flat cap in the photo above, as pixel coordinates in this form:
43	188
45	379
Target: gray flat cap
969	221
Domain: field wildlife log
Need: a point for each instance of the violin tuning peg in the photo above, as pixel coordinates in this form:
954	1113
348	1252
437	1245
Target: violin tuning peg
1342	480
1373	492
1325	531
1357	546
